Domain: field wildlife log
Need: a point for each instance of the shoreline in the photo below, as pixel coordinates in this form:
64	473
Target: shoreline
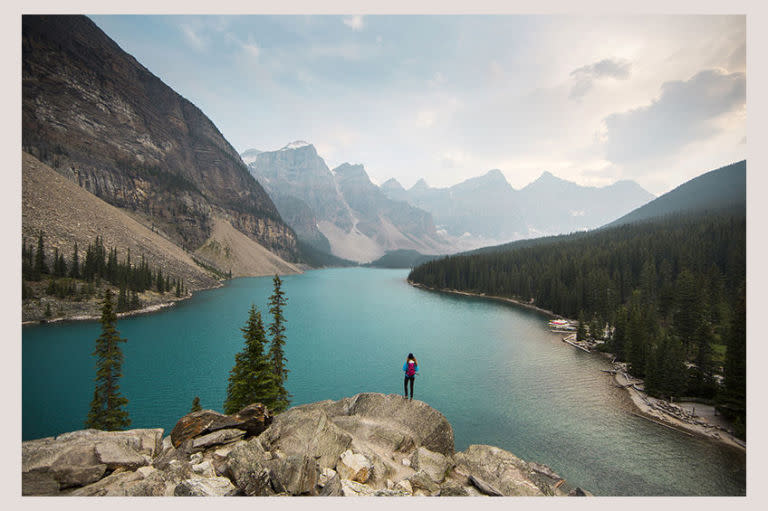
155	307
490	297
648	407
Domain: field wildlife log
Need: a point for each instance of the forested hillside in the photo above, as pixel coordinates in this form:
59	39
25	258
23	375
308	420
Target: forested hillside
670	291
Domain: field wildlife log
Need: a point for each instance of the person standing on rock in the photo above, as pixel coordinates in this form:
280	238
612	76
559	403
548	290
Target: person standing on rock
411	367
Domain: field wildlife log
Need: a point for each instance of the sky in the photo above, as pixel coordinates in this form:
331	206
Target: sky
591	99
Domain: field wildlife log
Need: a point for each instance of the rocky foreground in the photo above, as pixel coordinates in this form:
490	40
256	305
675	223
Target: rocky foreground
366	445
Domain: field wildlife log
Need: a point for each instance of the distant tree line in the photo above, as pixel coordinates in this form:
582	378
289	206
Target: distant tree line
77	277
667	296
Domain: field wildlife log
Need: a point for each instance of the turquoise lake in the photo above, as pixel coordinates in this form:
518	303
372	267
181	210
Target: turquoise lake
494	370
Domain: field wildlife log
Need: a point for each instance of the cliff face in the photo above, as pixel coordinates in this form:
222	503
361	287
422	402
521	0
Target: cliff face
365	445
98	117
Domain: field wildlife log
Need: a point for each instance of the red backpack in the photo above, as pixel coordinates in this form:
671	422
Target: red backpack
411	368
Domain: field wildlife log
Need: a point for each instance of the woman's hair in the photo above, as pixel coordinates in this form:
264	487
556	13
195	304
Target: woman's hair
411	357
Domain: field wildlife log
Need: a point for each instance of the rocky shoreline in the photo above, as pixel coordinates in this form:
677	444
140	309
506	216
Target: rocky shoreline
671	414
369	444
657	410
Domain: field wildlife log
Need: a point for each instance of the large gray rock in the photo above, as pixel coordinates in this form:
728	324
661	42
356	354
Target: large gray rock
305	431
245	468
390	421
493	470
433	463
293	475
83	457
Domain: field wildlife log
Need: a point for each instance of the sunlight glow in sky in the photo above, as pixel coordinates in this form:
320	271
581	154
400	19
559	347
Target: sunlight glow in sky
657	99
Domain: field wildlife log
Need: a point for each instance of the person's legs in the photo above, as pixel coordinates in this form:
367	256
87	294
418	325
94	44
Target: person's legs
412	378
405	387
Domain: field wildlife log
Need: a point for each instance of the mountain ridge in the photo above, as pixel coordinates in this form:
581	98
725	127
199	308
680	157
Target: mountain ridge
100	118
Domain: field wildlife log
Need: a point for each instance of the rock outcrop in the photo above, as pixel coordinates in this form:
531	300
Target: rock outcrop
365	445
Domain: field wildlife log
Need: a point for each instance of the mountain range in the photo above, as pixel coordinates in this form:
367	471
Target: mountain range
487	209
343	213
340	211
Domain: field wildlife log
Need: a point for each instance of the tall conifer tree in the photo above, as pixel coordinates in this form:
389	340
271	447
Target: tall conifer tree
251	380
277	303
107	407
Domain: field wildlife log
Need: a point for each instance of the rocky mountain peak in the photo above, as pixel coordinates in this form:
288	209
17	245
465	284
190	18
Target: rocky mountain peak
391	185
420	186
349	171
298	144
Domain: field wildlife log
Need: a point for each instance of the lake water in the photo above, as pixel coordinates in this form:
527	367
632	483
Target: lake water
494	370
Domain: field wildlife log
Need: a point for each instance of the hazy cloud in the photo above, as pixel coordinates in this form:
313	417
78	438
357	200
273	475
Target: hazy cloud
354	22
683	113
252	49
193	38
585	76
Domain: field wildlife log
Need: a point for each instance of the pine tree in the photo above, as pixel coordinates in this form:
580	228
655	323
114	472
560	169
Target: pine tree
122	299
277	302
734	401
196	405
135	302
581	331
107	407
40	266
251	379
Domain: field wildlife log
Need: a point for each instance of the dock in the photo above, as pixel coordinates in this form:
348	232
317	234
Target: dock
568	340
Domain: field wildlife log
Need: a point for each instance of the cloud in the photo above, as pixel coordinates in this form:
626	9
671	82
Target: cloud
193	38
252	49
684	112
585	76
354	22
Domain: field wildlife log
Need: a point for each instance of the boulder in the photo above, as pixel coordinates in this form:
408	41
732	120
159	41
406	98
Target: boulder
253	419
391	419
496	471
300	431
83	457
354	466
207	487
114	485
293	475
245	468
433	463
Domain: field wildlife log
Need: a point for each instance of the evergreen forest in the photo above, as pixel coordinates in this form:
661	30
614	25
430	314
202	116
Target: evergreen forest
79	276
667	296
